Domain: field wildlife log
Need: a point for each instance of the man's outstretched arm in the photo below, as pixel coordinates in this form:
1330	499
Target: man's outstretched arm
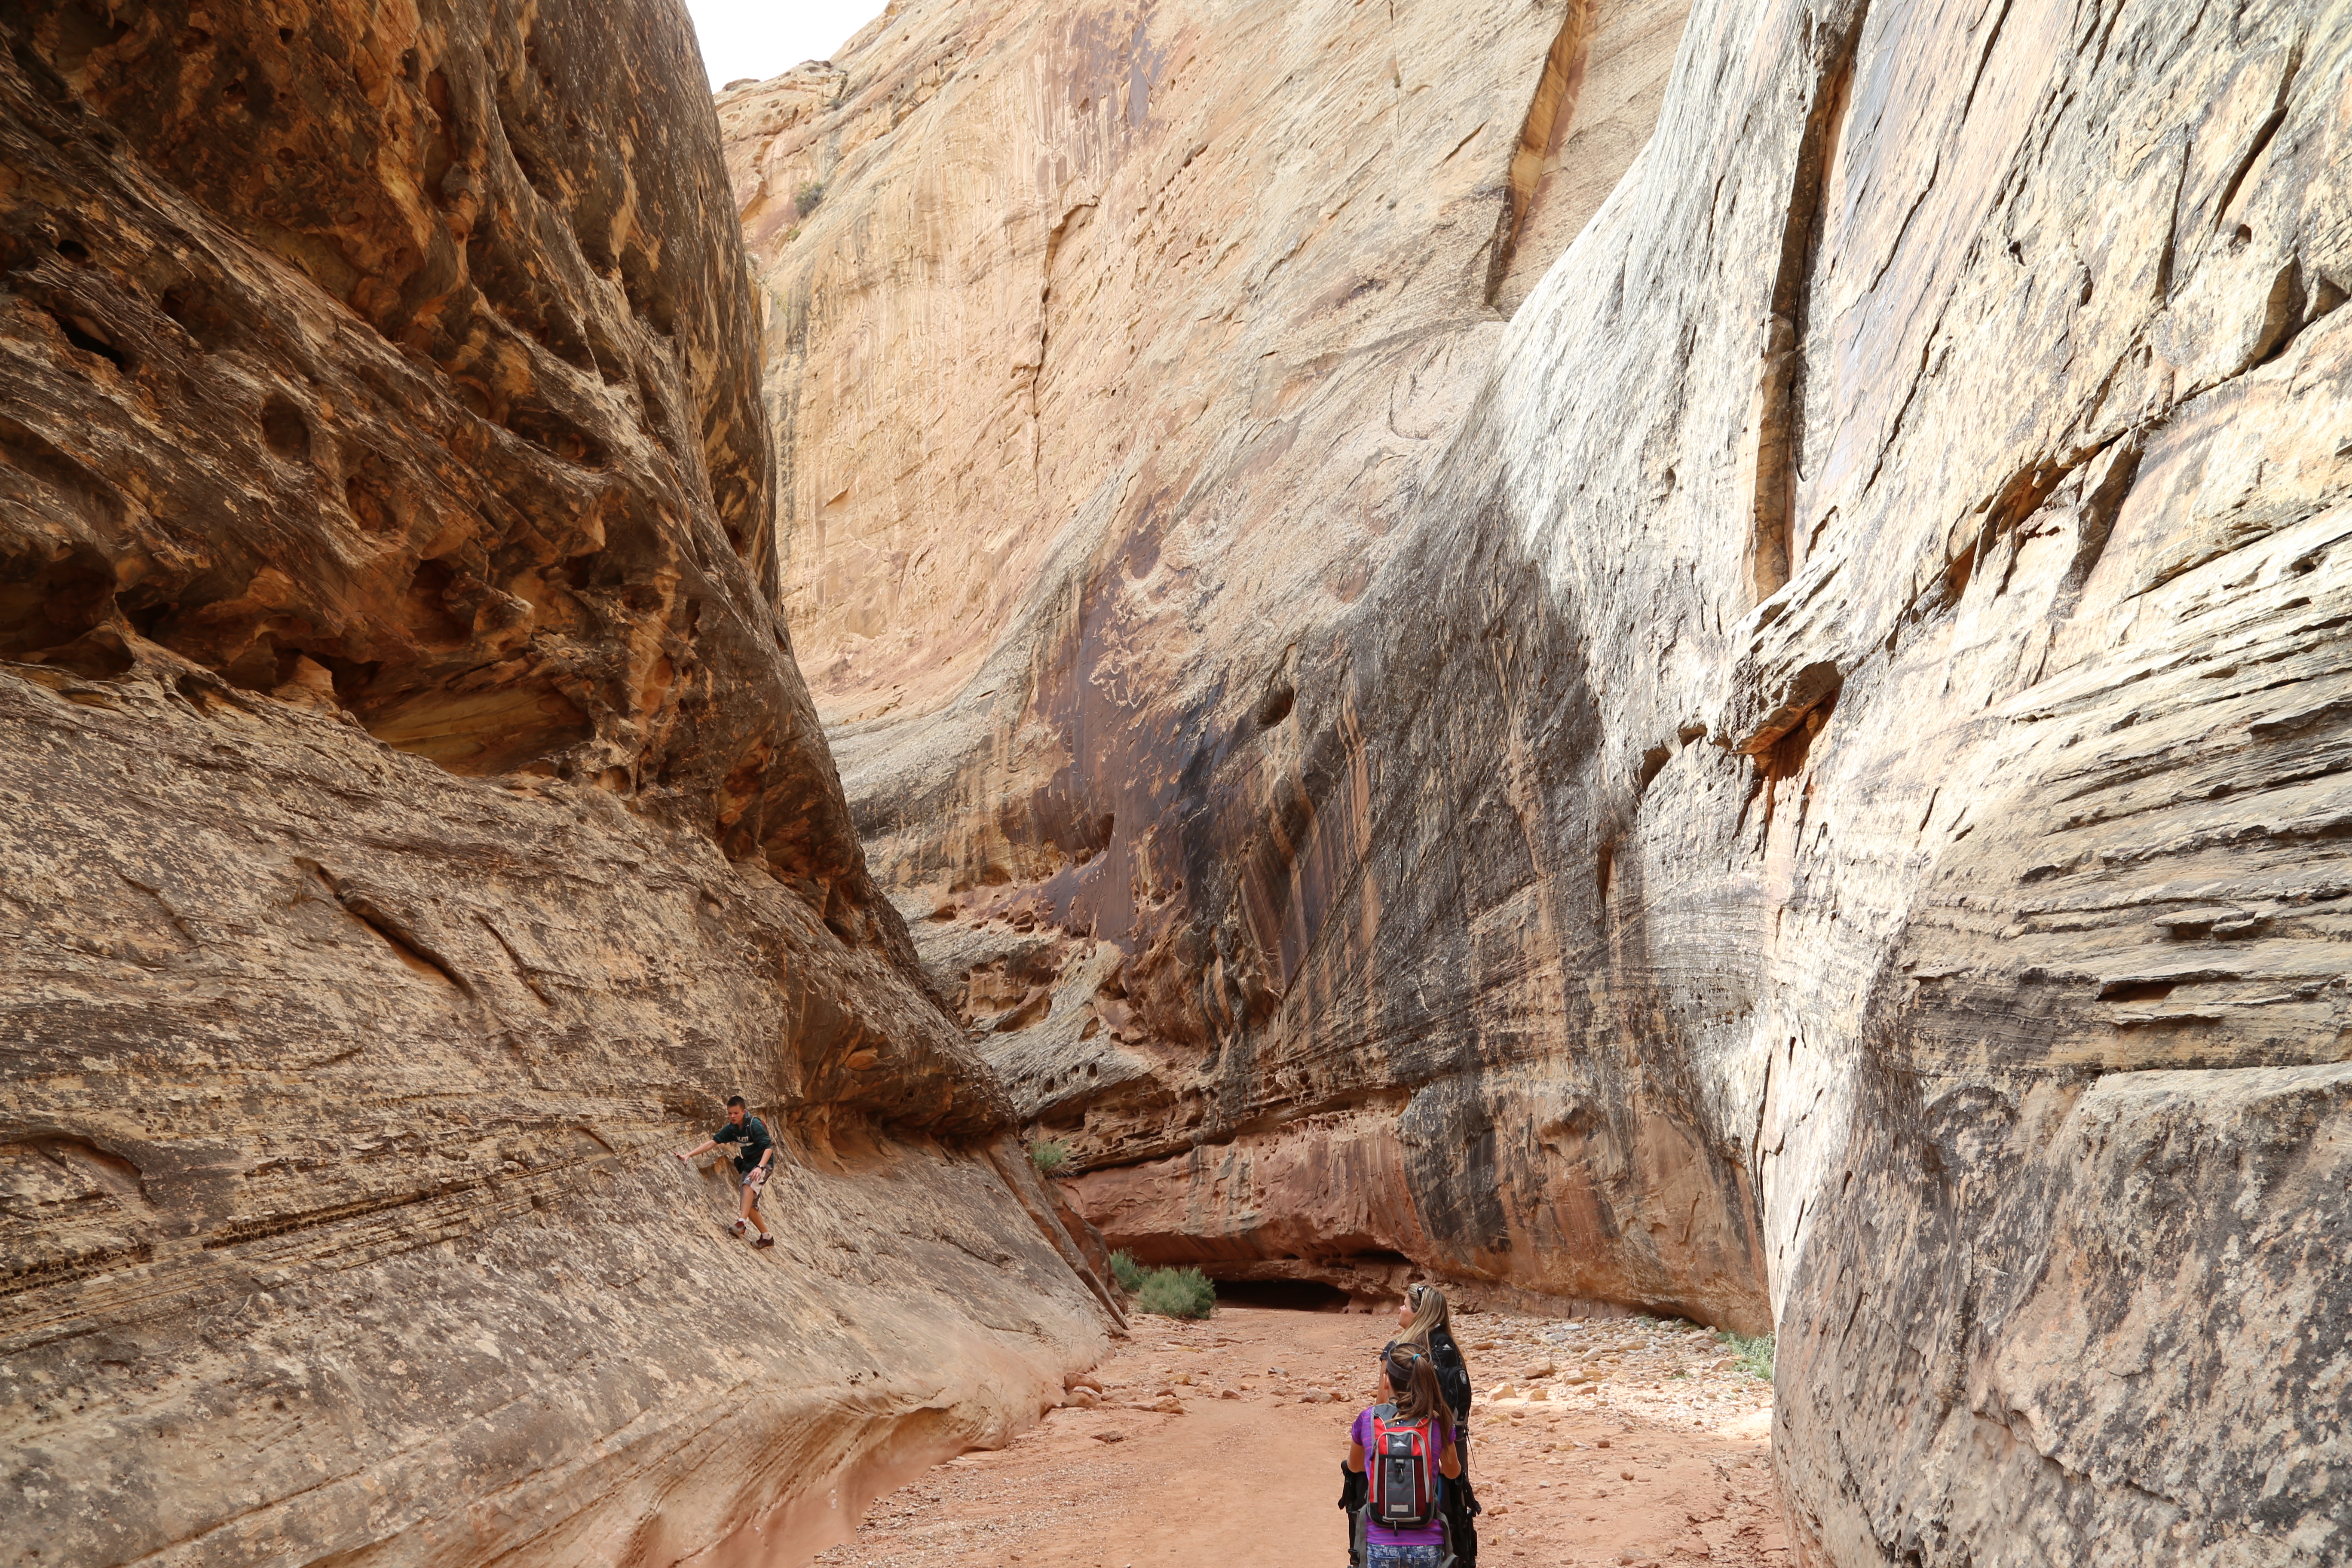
704	1147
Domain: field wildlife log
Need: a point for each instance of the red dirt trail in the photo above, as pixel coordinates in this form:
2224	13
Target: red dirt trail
1249	1473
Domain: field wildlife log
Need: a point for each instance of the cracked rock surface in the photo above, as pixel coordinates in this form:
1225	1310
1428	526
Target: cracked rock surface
1797	780
413	822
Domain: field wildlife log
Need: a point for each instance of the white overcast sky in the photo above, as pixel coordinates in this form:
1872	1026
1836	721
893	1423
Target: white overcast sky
766	38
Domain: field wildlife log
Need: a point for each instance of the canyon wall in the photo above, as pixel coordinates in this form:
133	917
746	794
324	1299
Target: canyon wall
1106	375
414	822
1797	780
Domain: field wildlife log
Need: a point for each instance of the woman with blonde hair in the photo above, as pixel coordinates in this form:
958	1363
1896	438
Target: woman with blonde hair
1427	1321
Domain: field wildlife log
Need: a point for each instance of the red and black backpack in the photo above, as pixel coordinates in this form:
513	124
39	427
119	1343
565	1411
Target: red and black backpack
1401	1463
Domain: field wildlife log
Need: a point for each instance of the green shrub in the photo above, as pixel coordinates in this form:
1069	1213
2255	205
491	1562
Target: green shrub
1177	1293
1754	1352
1049	1156
1166	1292
805	198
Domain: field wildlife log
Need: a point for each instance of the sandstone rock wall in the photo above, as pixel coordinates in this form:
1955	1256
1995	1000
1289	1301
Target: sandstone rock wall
1796	783
413	823
1040	274
1104	376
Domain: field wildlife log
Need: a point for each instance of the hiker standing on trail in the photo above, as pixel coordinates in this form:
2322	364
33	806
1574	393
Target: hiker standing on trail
1425	1323
751	1160
1405	1450
1428	1322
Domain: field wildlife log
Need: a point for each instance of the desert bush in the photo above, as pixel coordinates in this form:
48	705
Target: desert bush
1754	1351
805	198
1049	1156
1177	1293
1126	1271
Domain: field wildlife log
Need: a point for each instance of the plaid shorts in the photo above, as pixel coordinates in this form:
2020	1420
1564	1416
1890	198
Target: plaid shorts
1388	1555
755	1175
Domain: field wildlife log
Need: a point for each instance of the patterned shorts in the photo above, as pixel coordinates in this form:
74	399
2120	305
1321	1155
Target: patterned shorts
755	1175
1387	1554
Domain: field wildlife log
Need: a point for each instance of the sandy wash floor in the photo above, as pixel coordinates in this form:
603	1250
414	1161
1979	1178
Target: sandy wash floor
1594	1442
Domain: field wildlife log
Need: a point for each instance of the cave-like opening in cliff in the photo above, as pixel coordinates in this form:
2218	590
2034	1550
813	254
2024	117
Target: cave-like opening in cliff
1285	1295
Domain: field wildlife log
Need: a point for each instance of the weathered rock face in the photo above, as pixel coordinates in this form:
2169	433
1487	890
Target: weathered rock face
1058	267
414	822
1801	781
1190	360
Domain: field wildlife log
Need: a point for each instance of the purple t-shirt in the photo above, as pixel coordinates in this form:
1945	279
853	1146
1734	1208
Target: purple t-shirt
1434	1534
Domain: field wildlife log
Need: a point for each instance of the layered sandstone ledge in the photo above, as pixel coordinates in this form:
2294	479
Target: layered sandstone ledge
412	821
1797	780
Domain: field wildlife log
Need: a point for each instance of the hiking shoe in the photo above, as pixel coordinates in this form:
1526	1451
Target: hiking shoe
765	1240
739	1228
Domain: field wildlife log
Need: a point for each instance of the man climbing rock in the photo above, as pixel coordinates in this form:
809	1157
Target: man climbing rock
751	1160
